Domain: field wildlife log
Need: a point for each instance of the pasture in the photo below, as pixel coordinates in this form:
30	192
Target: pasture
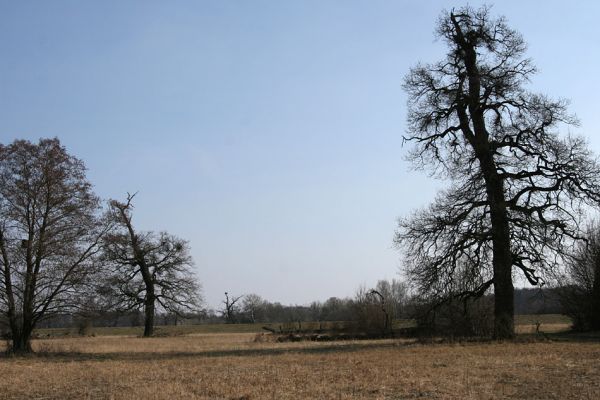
197	364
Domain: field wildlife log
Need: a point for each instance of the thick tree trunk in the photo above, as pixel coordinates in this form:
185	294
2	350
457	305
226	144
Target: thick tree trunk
21	325
21	338
21	343
502	254
504	325
499	219
149	315
595	303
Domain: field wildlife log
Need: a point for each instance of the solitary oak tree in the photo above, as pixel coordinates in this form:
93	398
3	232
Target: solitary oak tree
49	233
146	270
517	189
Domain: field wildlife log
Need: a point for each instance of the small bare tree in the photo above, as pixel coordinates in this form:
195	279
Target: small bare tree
49	233
231	308
147	269
372	311
396	294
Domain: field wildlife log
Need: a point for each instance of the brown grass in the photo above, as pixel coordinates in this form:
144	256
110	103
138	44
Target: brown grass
552	323
235	366
212	328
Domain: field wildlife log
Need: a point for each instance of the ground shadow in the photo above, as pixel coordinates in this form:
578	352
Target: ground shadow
333	347
578	337
336	347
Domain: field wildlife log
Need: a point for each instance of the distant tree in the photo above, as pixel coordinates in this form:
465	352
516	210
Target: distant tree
49	234
316	311
376	308
337	309
517	189
231	308
580	296
253	307
539	300
146	269
395	293
275	312
372	311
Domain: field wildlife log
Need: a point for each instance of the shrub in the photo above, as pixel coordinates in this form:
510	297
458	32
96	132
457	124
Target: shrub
456	317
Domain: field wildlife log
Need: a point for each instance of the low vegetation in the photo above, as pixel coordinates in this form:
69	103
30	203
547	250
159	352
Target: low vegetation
179	330
202	365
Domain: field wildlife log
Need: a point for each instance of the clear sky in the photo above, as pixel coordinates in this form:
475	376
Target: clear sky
267	133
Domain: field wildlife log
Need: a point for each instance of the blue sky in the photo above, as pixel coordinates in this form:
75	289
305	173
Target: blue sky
267	133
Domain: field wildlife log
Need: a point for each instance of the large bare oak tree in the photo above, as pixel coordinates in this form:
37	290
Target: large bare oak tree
49	233
146	269
517	189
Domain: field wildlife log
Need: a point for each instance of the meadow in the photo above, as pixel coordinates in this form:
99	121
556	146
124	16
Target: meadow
234	362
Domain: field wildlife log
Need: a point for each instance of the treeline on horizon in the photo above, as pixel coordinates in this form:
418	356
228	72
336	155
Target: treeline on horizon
255	309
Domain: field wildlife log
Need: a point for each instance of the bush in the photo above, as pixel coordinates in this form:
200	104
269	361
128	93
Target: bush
581	297
578	304
372	313
457	318
84	327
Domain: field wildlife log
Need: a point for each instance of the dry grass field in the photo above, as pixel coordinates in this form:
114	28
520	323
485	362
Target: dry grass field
237	366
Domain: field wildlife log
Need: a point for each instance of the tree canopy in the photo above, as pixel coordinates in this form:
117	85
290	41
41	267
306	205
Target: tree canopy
49	233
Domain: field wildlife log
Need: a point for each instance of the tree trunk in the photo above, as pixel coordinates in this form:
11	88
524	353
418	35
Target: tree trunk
21	326
504	325
502	254
21	344
149	315
21	339
595	303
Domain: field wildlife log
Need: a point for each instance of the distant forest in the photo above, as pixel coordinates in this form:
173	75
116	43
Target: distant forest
527	301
